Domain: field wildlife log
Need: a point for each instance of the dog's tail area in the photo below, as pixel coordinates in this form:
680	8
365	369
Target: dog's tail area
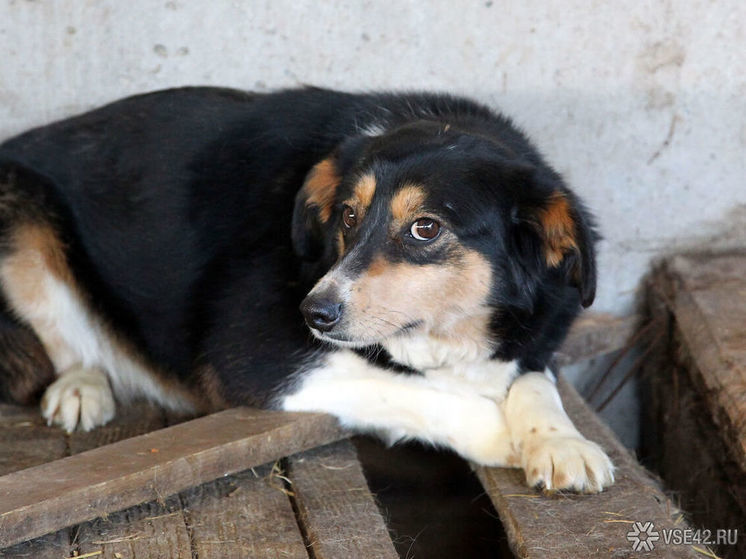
25	368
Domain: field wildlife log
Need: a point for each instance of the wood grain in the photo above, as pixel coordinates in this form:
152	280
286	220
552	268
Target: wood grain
26	441
246	515
150	530
338	513
575	526
695	387
708	301
52	546
594	334
131	420
45	498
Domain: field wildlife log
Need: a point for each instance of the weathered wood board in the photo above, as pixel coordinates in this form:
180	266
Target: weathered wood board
708	301
150	530
26	441
45	498
695	389
594	334
22	429
243	515
584	526
336	508
246	515
255	513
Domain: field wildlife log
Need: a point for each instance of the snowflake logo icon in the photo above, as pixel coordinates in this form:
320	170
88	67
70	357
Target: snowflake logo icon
643	536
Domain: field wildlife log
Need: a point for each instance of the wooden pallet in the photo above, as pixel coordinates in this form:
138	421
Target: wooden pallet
89	504
249	483
696	387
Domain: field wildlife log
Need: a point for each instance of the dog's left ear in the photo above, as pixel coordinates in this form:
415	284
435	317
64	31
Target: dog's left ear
566	238
313	208
568	242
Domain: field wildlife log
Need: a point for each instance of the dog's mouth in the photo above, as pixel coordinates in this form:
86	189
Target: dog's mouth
340	339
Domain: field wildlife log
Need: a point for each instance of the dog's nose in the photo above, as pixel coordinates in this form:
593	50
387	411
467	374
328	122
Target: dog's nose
321	313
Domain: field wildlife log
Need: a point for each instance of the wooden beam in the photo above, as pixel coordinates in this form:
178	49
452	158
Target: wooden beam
708	300
594	334
567	525
245	515
45	498
695	388
337	512
26	441
150	530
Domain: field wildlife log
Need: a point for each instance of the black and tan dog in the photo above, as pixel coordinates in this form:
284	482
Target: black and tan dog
160	247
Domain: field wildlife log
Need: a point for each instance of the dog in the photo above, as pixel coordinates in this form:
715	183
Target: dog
161	246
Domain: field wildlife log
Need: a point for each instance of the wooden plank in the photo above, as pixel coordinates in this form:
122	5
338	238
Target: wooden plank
150	530
708	300
136	418
51	546
45	498
570	525
688	450
25	440
336	509
245	515
594	334
694	387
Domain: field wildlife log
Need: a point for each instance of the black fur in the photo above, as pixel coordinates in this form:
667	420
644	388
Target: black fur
177	208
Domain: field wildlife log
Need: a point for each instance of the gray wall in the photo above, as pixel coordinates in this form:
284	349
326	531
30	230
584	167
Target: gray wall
641	105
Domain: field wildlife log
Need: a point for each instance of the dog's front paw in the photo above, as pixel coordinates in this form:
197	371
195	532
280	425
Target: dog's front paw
79	397
570	462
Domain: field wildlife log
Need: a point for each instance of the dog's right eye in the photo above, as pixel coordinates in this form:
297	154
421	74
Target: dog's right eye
348	217
425	229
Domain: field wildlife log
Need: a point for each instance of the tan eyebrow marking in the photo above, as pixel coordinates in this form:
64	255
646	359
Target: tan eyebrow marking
364	190
362	194
407	202
320	186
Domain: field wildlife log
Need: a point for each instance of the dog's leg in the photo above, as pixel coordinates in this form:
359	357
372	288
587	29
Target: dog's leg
40	290
553	452
89	361
400	406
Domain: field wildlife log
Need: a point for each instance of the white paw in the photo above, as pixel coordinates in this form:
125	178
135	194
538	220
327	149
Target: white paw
570	462
79	397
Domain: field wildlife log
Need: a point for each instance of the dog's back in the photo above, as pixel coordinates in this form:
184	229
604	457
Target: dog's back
153	216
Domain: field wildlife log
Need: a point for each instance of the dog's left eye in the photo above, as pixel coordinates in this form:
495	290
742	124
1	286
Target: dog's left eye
425	229
348	217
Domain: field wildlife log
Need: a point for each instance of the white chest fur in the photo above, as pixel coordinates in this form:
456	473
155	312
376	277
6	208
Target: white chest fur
425	351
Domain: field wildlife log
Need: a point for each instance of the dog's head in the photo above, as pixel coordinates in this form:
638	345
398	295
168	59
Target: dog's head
427	227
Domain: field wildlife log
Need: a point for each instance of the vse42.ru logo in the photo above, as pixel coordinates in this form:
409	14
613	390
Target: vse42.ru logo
643	536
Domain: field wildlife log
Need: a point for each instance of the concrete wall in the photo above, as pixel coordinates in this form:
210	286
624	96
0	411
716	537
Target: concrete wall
641	105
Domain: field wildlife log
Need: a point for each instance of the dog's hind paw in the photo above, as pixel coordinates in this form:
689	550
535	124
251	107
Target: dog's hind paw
80	397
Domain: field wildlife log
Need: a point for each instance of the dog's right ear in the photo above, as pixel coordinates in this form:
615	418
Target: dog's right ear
313	208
